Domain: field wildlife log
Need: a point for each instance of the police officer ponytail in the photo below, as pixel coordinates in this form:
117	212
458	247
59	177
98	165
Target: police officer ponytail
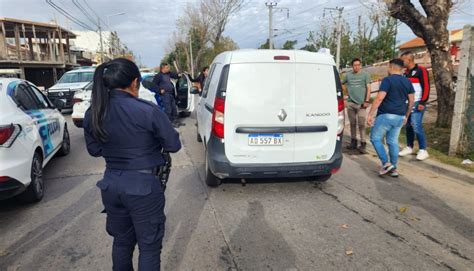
115	74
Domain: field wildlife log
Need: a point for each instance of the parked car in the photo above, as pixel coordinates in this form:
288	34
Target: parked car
70	83
271	113
82	99
32	131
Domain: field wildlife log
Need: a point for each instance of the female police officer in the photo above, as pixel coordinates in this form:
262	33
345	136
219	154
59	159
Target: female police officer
130	134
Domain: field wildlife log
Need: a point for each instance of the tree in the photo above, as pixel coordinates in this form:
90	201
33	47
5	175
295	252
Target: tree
289	44
432	28
265	45
219	12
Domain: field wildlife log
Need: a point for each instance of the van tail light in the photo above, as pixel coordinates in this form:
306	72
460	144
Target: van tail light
8	134
340	103
218	118
4	179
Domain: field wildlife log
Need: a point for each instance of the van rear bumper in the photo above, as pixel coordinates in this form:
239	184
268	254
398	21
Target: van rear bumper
222	168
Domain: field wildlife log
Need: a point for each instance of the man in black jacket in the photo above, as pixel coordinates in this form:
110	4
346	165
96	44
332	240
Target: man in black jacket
167	92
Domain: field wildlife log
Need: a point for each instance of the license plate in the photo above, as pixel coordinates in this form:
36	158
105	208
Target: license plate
265	139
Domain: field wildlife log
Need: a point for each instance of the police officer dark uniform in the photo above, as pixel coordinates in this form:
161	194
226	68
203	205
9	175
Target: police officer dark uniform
166	88
130	134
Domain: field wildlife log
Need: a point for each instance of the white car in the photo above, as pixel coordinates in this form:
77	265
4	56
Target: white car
70	83
32	131
82	98
271	113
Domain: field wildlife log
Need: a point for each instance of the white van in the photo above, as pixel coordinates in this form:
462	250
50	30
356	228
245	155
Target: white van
271	113
70	83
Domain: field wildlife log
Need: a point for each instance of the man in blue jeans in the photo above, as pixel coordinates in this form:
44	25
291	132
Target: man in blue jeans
393	104
418	76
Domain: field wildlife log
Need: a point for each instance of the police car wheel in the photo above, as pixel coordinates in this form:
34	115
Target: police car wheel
35	191
211	180
66	144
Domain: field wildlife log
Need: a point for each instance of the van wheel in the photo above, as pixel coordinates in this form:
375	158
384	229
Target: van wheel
66	145
35	191
322	178
211	180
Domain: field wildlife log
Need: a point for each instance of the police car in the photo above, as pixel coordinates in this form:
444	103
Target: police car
32	131
70	83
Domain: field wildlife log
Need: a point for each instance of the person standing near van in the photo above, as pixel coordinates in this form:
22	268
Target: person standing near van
393	104
166	88
201	79
357	84
418	75
130	134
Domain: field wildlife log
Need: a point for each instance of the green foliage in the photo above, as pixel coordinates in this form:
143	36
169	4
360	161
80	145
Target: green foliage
371	44
289	45
265	45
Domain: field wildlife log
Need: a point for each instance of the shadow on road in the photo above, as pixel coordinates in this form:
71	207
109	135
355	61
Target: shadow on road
256	242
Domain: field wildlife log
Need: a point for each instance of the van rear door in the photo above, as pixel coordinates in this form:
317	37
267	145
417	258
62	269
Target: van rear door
316	112
259	108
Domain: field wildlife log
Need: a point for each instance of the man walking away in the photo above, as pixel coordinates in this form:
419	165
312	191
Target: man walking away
418	76
166	88
357	84
393	104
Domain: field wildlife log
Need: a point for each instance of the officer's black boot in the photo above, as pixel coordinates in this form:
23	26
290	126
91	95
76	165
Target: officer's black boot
363	148
353	145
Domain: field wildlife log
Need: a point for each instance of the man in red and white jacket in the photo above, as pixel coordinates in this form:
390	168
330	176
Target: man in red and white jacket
418	75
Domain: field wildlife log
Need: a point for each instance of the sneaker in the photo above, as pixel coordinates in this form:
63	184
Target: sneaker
406	151
422	155
386	169
394	173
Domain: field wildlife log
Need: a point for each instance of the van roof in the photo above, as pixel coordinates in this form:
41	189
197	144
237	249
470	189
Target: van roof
81	70
268	56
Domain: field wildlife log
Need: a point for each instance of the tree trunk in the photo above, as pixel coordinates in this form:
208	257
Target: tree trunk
443	79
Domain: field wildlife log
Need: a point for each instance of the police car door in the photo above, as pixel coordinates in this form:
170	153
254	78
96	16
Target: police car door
46	119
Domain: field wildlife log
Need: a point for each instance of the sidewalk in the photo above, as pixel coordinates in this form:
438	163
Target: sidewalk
428	164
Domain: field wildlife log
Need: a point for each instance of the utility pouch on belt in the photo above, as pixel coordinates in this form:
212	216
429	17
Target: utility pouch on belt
164	171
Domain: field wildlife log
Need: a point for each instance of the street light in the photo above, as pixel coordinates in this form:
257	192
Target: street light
108	25
115	14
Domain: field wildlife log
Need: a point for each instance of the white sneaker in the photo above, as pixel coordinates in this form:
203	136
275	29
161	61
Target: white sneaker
406	151
422	155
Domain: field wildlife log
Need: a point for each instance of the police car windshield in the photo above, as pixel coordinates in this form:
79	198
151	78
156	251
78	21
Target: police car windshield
76	77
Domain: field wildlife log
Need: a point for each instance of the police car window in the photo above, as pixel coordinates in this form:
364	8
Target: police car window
24	98
208	81
42	102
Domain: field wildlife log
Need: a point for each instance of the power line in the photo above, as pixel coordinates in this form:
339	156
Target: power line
84	11
69	16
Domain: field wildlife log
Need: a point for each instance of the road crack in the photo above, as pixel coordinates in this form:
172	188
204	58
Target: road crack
386	231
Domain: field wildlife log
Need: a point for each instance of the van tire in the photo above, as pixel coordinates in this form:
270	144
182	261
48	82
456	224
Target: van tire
66	144
210	179
35	191
322	178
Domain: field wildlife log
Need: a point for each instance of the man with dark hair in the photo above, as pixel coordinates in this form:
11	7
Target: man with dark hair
167	92
418	75
393	104
357	85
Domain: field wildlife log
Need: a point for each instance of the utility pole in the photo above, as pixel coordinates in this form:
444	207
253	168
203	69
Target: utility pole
191	55
339	33
101	41
270	6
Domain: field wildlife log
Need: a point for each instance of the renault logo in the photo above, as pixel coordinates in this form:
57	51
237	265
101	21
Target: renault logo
282	115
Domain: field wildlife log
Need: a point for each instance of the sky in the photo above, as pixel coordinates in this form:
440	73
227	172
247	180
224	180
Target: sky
147	25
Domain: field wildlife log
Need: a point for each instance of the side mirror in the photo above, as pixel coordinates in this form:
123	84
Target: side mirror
58	104
194	90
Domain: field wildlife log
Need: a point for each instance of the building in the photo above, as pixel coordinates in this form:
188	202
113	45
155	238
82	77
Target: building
418	47
88	42
38	52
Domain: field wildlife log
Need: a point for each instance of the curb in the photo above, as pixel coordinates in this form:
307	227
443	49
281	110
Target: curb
429	164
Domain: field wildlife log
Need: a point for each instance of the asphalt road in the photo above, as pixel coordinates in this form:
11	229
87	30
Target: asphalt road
355	221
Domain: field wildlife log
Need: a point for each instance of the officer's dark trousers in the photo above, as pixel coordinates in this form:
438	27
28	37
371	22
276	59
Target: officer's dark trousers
170	106
134	203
